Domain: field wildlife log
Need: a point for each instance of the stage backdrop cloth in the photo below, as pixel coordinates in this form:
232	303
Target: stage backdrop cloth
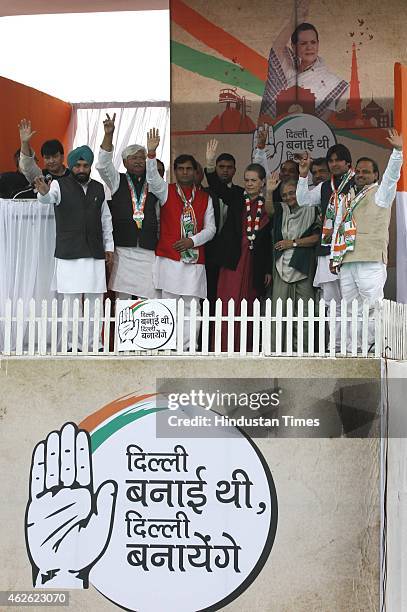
27	244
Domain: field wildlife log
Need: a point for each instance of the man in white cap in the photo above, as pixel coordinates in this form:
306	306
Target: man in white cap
135	218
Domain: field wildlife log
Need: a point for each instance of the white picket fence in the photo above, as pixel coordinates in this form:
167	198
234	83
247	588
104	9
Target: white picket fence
49	329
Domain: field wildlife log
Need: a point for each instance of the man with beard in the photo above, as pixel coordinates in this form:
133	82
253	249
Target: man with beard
134	211
186	224
327	195
52	153
83	232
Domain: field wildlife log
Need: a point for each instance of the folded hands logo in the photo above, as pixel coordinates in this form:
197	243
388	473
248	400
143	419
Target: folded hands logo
68	525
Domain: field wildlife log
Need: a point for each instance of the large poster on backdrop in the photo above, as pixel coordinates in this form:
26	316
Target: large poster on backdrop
152	484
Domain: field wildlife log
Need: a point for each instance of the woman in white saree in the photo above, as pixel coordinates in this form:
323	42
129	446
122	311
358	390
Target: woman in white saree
300	65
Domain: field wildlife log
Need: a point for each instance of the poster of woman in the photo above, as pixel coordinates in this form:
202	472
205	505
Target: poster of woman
295	63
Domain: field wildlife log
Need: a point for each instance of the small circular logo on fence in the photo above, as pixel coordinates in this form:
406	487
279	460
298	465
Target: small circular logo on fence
146	324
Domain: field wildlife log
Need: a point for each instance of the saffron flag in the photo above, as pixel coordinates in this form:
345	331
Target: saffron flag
400	123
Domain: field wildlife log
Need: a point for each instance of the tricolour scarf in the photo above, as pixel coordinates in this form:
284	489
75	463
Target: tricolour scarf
338	199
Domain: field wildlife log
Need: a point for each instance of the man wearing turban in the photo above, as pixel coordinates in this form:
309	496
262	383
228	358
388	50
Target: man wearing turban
134	211
83	232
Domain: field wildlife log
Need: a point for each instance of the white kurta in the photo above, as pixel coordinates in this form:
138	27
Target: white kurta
84	275
176	276
132	272
133	267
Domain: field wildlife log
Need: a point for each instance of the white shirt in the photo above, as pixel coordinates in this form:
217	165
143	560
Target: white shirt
108	173
176	276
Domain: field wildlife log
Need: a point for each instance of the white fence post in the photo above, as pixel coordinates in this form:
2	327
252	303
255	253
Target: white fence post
31	327
106	326
64	326
344	326
256	327
231	327
19	327
192	326
266	335
218	327
365	328
321	324
243	328
279	317
96	325
85	328
332	328
180	326
75	326
300	327
311	326
289	327
205	327
354	334
54	326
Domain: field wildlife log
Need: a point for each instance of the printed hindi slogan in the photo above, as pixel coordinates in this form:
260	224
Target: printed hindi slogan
172	541
302	140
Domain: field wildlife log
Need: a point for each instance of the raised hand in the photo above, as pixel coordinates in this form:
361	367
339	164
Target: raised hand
108	124
128	327
211	149
68	526
273	181
153	140
41	185
304	163
395	139
25	130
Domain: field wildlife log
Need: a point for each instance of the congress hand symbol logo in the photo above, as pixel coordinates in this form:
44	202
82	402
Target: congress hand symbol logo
68	526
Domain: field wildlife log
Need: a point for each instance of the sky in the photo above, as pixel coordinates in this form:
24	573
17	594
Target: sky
89	57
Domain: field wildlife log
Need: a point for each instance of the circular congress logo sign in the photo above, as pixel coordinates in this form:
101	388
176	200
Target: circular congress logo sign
294	134
146	324
170	524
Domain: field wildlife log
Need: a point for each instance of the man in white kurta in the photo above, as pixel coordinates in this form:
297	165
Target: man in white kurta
85	275
135	213
363	265
174	277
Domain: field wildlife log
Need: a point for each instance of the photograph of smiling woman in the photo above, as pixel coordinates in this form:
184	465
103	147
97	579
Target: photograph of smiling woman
299	65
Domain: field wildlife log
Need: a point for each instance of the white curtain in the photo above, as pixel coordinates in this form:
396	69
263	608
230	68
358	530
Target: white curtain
27	244
133	120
